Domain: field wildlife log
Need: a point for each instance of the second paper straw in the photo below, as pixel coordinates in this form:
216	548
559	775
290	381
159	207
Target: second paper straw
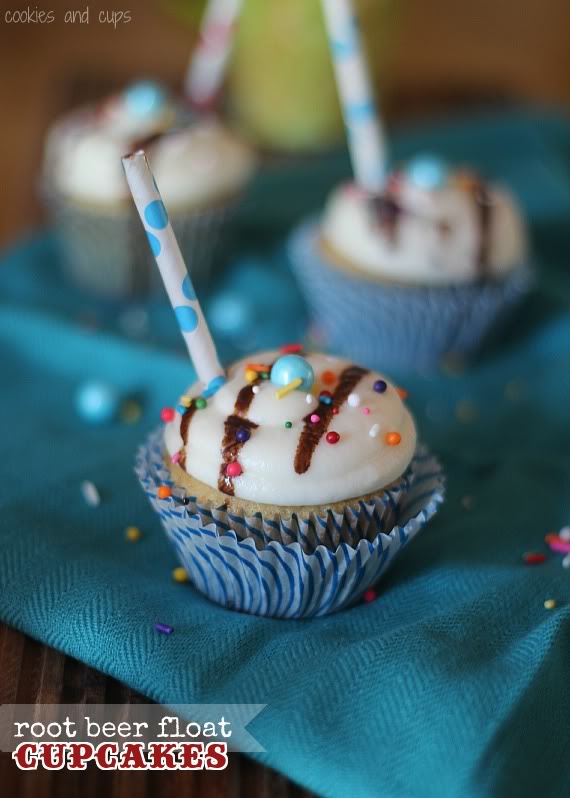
173	270
366	140
210	57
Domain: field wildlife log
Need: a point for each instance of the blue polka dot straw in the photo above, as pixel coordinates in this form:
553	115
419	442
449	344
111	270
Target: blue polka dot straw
173	270
366	141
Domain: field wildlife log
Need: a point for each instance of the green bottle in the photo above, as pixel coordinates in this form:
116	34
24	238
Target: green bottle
281	88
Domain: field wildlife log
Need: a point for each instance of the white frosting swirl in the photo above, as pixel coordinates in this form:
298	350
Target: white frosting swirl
436	238
360	463
195	165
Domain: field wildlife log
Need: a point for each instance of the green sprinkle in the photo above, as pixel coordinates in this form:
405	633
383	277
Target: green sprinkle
264	375
288	424
200	403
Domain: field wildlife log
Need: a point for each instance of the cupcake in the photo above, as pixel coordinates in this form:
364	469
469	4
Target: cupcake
202	168
290	489
422	269
287	484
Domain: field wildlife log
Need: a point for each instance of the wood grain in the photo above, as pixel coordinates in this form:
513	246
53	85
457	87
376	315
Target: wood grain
33	673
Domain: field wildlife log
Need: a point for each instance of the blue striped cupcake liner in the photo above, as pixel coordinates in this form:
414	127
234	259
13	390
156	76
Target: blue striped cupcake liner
396	327
272	578
360	520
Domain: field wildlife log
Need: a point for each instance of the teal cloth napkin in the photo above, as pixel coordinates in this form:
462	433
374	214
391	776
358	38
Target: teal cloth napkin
455	681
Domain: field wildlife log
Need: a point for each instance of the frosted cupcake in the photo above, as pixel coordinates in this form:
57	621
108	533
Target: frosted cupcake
201	166
290	502
287	484
425	268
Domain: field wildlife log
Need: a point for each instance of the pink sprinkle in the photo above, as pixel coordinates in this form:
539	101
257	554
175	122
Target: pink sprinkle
366	411
167	414
369	595
233	469
175	457
559	545
315	419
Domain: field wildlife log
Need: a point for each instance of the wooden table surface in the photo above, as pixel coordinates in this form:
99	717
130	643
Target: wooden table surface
31	672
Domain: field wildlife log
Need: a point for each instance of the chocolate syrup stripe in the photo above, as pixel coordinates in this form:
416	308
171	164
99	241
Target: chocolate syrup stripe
387	211
312	433
184	424
145	142
230	446
483	206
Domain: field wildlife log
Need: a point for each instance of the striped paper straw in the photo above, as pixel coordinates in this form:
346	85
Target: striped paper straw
208	62
366	141
173	270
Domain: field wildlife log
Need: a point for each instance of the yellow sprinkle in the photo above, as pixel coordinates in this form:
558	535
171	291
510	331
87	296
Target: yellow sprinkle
131	412
180	575
293	385
550	604
132	533
185	401
250	375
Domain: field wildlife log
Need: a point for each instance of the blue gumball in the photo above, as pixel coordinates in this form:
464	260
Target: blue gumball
289	368
145	99
97	402
428	172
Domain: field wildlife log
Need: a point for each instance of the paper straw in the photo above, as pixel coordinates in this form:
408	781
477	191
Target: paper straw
173	270
366	140
208	62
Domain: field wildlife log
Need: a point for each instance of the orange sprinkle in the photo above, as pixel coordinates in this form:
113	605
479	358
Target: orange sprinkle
402	393
164	492
258	367
328	377
393	438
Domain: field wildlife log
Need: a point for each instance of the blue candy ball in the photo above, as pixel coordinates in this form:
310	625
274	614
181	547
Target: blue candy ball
145	98
428	171
289	367
97	402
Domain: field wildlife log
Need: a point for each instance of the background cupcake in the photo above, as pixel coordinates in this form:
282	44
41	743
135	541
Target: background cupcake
422	269
202	166
404	267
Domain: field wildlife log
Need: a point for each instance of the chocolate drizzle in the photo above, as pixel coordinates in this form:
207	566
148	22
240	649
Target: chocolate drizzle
145	142
483	205
245	398
312	433
184	424
387	212
230	446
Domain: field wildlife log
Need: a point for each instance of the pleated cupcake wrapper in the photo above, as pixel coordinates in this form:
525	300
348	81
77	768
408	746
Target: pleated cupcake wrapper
109	254
361	520
278	579
398	327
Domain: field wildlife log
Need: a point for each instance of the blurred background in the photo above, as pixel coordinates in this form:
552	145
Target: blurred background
429	58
